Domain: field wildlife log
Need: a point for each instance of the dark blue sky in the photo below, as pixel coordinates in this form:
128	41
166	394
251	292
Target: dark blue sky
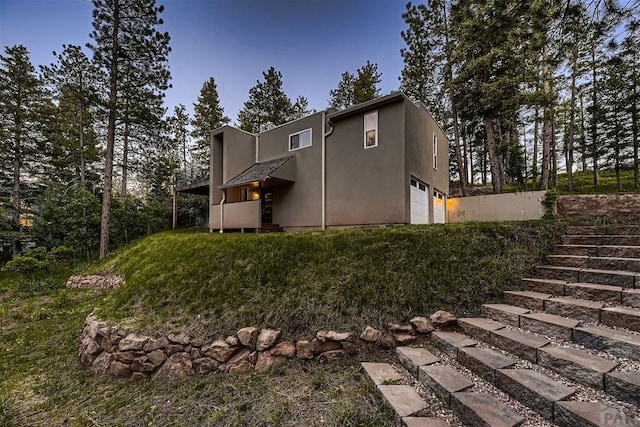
312	42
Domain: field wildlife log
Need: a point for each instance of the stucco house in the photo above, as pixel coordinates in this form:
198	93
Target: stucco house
385	161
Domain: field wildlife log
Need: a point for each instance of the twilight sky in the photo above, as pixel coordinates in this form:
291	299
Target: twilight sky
312	42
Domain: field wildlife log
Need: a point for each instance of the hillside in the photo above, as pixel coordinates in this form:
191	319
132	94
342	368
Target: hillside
214	284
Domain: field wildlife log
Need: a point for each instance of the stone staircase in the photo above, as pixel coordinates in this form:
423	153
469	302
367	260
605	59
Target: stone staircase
563	352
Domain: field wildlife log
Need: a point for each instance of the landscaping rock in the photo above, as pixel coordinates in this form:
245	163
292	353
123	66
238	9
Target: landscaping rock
177	366
232	341
248	336
396	328
266	361
421	325
238	359
142	364
102	362
267	339
386	342
133	342
180	338
304	350
157	357
334	336
119	369
204	365
442	319
284	348
404	339
370	334
219	350
318	347
154	344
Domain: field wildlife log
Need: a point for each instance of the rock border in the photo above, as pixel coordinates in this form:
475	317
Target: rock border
105	282
121	353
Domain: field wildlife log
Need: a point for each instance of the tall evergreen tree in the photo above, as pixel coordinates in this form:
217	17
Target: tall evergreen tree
352	90
21	99
208	115
75	83
269	106
126	43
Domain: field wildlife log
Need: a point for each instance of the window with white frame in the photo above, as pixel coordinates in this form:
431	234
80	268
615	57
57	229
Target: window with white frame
435	151
299	140
371	129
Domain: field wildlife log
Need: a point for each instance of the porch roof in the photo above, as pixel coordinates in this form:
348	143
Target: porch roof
258	172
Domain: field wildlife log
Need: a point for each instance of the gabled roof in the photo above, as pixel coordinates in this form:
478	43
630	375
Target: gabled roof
257	172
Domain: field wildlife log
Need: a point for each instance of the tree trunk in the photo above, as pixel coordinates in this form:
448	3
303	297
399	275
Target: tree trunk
111	136
572	117
594	118
125	155
494	159
583	136
554	152
546	121
536	132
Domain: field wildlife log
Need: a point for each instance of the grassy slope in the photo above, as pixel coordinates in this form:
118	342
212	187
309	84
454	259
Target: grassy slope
216	284
298	281
583	183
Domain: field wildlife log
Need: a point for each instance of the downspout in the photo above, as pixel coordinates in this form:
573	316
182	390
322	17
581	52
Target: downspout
224	197
325	134
257	146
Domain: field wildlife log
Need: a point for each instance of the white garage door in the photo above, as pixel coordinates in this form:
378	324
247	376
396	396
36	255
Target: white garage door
439	208
419	202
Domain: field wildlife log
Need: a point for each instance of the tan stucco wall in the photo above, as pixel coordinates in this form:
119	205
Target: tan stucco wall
367	186
236	215
299	204
497	207
420	128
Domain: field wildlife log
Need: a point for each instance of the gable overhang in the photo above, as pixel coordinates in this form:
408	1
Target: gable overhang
373	104
265	174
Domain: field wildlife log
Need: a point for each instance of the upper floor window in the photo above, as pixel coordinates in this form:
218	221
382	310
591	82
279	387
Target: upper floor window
435	151
299	140
371	129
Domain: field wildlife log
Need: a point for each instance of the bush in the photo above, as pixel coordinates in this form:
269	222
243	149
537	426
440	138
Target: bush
26	265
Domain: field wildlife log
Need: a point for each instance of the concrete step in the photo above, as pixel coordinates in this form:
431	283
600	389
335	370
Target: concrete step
518	343
549	325
381	373
594	292
621	240
479	327
621	317
631	297
403	399
626	279
605	239
484	410
618	251
450	342
569	274
588	414
412	358
582	239
615	342
533	389
526	299
579	309
623	230
578	365
484	362
590	230
424	422
443	380
582	250
504	313
579	261
545	286
624	385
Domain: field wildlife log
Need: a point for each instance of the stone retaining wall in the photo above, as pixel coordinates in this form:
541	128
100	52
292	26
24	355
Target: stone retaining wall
612	206
106	282
118	352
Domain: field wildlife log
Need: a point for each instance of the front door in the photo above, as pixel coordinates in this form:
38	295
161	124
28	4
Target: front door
267	206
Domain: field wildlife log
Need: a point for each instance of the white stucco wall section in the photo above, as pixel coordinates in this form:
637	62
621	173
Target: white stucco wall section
497	207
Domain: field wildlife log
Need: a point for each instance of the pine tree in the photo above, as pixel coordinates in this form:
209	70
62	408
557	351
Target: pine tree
126	43
352	90
75	83
208	115
21	99
268	105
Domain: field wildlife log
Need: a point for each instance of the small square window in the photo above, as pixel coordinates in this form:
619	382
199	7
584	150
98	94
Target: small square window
300	140
371	129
